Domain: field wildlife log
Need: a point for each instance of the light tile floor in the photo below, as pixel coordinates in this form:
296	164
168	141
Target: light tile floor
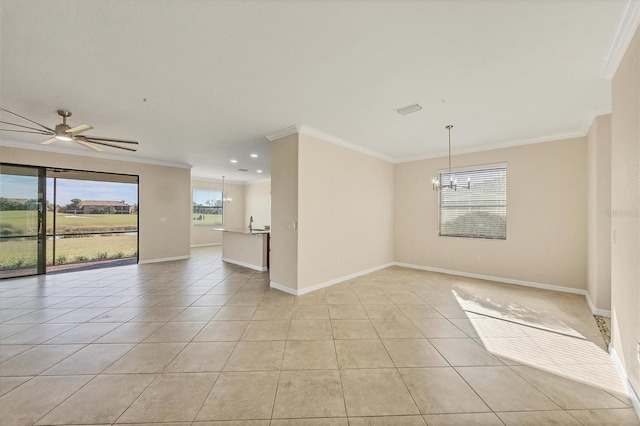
206	343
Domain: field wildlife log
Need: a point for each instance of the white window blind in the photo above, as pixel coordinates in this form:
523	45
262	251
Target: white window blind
479	212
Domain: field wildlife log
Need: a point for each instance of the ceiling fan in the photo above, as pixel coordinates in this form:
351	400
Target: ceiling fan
64	132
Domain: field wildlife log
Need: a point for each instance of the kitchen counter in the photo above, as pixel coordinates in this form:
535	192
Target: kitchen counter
243	230
246	248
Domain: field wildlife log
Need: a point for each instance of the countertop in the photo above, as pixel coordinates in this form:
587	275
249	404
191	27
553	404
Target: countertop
243	231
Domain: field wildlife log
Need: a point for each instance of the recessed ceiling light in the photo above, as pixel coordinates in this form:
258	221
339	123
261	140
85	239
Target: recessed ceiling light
408	109
259	171
234	161
254	155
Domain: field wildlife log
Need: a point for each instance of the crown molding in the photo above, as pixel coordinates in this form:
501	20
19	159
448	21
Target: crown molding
305	130
279	134
585	125
103	155
217	180
626	29
500	145
251	182
227	181
590	116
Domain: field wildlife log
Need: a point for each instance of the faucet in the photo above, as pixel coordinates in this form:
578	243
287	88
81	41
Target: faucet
250	223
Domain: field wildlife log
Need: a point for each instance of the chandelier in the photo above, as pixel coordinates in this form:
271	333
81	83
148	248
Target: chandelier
453	183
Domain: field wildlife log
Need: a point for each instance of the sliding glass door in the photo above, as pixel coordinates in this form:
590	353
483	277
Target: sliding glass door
22	229
58	220
93	221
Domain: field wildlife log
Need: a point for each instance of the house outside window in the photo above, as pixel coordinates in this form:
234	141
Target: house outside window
478	212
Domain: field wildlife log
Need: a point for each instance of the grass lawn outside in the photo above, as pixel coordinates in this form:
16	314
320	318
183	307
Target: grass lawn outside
16	254
207	219
23	222
19	253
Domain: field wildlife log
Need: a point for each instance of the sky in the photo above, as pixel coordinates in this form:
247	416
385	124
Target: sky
200	196
14	186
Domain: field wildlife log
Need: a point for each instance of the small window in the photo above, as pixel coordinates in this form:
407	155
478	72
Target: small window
478	212
207	207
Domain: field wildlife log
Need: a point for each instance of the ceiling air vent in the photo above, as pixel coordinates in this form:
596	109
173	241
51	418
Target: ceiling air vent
408	109
243	170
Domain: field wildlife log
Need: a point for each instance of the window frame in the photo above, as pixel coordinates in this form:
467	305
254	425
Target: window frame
217	195
461	188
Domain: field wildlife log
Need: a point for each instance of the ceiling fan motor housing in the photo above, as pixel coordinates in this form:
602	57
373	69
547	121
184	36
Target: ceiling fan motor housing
62	128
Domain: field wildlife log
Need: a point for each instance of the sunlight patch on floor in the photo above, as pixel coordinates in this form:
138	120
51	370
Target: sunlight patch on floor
549	345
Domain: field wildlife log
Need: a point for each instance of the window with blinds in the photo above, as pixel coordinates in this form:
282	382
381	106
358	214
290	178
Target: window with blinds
479	212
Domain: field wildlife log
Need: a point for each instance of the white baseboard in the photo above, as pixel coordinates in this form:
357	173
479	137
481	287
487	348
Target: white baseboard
492	278
327	283
164	259
206	245
283	288
596	311
633	396
543	286
246	265
583	292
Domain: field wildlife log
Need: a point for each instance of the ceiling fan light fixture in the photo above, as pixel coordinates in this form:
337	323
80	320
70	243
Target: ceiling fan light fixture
63	137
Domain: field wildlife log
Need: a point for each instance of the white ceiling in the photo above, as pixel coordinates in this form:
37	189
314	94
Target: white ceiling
219	76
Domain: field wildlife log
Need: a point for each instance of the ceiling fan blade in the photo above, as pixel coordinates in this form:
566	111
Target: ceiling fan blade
79	129
49	141
88	145
23	127
98	138
30	121
26	131
112	146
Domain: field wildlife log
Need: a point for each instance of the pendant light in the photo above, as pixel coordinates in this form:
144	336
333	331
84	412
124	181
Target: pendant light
453	183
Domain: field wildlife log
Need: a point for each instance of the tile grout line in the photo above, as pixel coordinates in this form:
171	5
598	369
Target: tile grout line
453	368
275	395
335	352
157	375
204	401
395	367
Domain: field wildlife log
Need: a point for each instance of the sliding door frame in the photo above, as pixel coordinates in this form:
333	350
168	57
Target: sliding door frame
41	233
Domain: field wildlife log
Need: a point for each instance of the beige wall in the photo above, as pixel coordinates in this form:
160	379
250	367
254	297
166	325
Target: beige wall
163	193
257	203
345	212
546	216
625	205
599	218
284	212
233	212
